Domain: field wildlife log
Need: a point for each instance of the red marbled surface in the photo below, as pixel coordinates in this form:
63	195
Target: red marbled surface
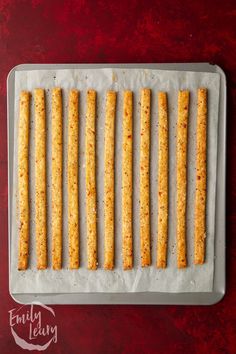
125	31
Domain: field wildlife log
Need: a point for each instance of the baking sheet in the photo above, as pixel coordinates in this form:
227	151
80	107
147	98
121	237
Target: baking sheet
192	279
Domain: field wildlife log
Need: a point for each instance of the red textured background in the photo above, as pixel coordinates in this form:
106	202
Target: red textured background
125	31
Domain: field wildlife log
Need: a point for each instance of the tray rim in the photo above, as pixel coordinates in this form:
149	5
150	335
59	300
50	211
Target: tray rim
201	298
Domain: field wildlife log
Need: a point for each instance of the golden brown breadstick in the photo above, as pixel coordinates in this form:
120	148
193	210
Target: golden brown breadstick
23	179
72	170
162	181
56	178
40	179
181	166
127	167
144	178
91	180
200	197
109	180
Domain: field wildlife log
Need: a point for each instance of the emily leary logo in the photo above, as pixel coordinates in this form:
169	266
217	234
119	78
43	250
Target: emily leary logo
32	326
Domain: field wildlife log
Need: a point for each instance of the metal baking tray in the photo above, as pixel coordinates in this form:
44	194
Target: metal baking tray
199	298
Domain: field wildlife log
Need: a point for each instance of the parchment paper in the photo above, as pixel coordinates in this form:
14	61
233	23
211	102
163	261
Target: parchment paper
191	279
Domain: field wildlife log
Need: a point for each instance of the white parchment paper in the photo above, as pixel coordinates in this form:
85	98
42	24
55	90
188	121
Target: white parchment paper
191	279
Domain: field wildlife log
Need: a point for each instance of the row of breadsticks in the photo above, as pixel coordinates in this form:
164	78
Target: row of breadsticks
109	179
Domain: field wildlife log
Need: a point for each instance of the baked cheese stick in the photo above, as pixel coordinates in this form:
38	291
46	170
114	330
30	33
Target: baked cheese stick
23	179
144	178
109	180
91	180
56	178
200	197
40	179
162	181
127	166
181	166
72	171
